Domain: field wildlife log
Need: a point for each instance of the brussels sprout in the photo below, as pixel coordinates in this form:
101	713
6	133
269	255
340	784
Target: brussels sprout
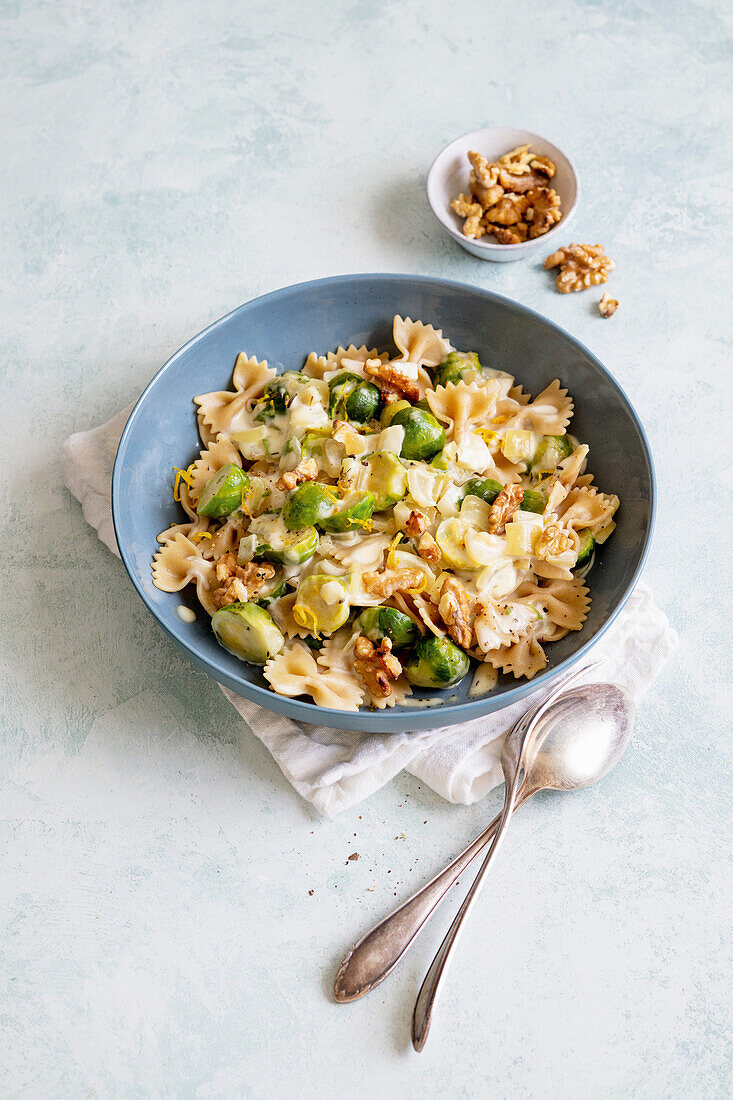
278	394
248	632
390	411
307	505
352	513
222	493
272	590
436	663
551	450
424	436
353	398
380	473
483	487
439	462
312	641
376	623
586	551
453	368
276	543
322	603
533	501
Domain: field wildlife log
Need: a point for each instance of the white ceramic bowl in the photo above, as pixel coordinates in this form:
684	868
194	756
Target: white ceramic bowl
448	178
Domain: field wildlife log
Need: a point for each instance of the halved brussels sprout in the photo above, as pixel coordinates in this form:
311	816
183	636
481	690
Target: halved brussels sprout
351	513
436	663
272	589
222	493
454	366
439	462
380	473
390	411
312	443
307	505
483	487
322	603
248	632
376	623
276	543
551	450
278	394
451	538
353	398
424	436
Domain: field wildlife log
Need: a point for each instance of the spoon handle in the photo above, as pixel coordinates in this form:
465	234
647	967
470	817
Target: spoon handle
377	953
430	987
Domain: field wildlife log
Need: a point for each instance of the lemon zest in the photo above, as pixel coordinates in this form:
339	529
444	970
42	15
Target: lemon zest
391	550
302	614
487	435
198	535
182	475
501	419
542	474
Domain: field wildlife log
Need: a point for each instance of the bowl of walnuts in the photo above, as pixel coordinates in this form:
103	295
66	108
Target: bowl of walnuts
502	192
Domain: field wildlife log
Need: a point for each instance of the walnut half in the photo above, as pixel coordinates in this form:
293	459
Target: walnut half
608	305
376	665
581	266
456	609
506	504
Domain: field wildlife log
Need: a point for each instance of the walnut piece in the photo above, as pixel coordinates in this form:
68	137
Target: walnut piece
543	165
306	470
391	379
376	665
508	210
608	305
517	160
387	583
457	610
510	234
483	180
504	507
581	266
519	184
239	582
553	541
428	549
472	212
415	525
543	210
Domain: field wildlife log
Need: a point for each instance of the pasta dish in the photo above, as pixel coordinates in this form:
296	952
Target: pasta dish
377	521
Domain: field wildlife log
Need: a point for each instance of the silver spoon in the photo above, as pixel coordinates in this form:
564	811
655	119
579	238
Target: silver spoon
606	712
574	754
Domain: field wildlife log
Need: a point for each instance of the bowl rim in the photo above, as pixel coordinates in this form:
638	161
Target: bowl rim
444	217
386	720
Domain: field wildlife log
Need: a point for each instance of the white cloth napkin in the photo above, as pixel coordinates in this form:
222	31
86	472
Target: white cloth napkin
335	769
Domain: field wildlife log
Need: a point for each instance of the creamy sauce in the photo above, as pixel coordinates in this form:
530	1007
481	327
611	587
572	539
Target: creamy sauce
185	614
410	702
484	680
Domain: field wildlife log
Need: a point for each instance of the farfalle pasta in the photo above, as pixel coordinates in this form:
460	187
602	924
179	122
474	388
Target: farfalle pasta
376	521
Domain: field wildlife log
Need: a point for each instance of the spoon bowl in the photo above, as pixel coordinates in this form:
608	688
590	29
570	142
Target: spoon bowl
580	738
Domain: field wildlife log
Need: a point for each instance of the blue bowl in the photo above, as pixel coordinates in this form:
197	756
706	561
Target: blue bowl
283	327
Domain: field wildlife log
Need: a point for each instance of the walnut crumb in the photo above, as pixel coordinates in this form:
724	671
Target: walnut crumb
608	305
306	470
391	379
237	582
387	583
504	507
581	266
376	665
428	549
415	524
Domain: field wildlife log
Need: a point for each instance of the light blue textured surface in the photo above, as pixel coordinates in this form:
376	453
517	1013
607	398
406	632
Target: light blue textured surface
163	163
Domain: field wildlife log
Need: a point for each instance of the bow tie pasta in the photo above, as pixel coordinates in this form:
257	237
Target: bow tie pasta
374	522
